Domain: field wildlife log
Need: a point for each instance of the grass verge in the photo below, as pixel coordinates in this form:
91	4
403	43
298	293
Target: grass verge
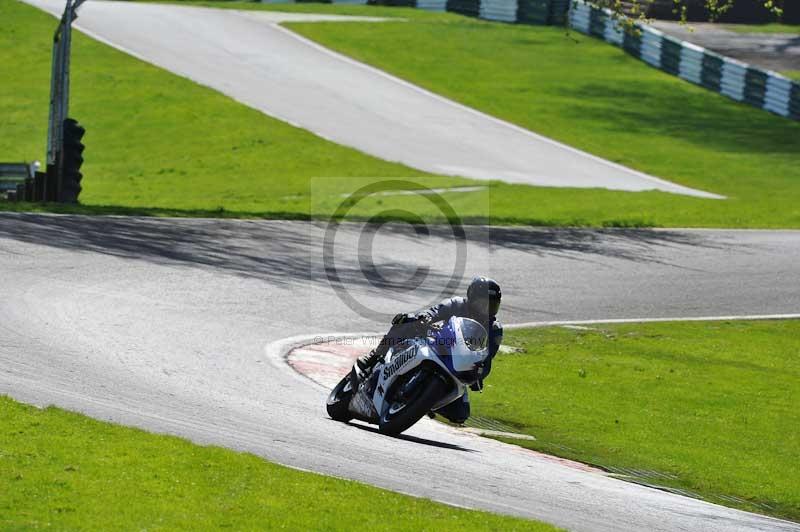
68	471
708	407
160	144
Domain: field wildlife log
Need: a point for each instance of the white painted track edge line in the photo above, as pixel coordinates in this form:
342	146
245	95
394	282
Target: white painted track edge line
279	349
744	317
89	33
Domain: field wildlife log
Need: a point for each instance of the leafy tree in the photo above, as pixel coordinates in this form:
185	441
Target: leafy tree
637	9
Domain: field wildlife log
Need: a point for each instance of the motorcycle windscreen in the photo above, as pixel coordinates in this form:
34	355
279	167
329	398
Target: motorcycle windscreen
469	346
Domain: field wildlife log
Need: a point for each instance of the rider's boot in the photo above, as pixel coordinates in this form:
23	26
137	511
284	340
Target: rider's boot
366	362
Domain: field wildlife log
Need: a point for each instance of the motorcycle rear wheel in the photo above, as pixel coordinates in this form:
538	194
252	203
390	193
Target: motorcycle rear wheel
338	404
393	423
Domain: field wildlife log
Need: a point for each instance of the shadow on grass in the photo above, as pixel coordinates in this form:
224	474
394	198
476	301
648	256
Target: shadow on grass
714	122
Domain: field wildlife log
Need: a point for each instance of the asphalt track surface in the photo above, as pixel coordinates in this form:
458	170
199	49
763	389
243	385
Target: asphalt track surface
249	57
180	326
775	51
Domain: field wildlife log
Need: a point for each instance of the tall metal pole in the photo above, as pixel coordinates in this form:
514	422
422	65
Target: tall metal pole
66	37
54	76
59	97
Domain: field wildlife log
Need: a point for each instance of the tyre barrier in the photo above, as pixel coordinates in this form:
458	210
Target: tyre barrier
739	81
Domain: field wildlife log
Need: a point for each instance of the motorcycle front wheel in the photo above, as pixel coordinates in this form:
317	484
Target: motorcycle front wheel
338	403
403	411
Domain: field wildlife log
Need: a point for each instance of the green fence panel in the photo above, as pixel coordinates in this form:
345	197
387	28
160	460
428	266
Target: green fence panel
671	50
533	11
711	76
632	43
794	102
470	8
597	23
755	87
558	12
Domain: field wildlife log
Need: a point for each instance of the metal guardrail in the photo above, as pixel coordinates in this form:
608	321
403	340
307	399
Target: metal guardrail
739	81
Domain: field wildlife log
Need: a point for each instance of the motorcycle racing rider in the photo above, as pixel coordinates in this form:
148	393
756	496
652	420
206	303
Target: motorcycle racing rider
481	304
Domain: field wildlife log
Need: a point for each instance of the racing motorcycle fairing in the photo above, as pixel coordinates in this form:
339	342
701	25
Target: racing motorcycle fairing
454	352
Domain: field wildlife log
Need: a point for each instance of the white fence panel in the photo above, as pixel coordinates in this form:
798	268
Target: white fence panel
580	17
691	68
500	10
733	74
432	5
651	46
614	32
779	92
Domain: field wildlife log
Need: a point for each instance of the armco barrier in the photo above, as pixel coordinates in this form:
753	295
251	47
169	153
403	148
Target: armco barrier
739	81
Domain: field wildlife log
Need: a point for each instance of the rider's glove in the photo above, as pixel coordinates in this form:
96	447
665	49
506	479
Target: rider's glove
421	323
403	318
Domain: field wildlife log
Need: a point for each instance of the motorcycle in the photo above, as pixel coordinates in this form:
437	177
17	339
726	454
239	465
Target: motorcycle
417	376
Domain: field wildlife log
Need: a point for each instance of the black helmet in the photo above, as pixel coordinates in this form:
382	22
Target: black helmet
483	296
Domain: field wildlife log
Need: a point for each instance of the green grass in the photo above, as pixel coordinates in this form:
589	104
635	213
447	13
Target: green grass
792	74
159	144
792	29
66	471
712	403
